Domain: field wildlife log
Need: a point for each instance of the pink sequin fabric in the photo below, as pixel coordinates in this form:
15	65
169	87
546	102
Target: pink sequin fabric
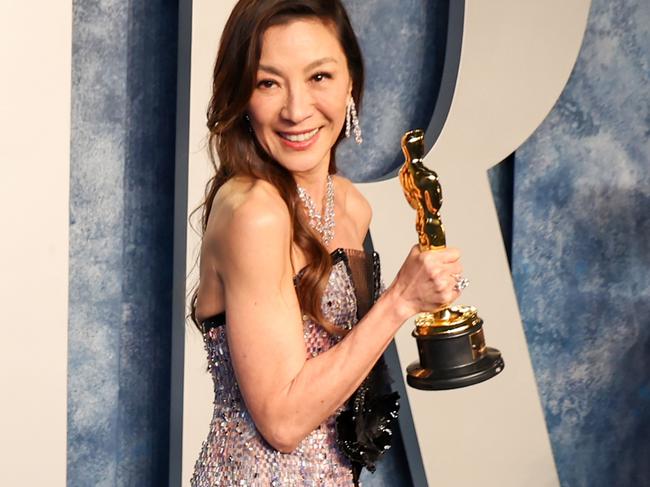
234	453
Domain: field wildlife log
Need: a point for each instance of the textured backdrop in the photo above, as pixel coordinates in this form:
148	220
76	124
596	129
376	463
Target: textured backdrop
121	223
581	254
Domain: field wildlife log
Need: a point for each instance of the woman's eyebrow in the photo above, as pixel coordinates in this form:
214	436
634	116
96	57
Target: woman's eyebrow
309	67
270	69
320	61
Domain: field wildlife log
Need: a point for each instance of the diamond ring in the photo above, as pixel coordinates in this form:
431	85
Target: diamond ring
461	282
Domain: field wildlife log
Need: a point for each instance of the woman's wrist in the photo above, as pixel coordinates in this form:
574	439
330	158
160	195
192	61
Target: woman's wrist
397	308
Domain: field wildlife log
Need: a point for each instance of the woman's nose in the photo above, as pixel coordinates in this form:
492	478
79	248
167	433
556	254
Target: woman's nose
298	105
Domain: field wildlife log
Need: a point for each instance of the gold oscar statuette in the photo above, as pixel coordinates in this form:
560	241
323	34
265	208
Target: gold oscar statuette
451	344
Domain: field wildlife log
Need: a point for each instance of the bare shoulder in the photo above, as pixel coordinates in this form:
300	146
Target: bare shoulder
246	212
247	202
356	205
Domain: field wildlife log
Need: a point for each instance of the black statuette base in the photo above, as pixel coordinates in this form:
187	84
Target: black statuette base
450	359
435	380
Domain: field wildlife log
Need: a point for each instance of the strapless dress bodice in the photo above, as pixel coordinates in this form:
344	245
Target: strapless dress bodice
234	452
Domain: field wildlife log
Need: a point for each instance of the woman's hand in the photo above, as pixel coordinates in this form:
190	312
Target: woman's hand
426	280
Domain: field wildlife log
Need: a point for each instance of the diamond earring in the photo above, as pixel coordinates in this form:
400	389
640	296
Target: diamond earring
249	126
352	122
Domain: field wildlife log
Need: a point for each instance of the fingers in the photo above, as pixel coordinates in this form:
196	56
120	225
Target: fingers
447	261
445	276
448	255
429	278
455	269
441	283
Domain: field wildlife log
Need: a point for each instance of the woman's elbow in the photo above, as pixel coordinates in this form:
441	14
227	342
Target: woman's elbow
281	435
282	443
281	430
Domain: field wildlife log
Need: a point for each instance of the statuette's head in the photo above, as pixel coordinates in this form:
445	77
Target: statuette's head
413	144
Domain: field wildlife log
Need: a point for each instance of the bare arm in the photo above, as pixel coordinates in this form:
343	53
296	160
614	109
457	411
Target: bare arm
289	396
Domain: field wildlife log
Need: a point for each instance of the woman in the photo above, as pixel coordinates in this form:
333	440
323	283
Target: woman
283	277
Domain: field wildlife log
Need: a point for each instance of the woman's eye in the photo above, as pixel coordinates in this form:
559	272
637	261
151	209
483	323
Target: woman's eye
318	77
266	83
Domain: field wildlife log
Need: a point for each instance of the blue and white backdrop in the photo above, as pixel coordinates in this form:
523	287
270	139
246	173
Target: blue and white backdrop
537	118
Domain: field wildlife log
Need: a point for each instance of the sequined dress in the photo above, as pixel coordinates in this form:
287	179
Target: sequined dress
234	452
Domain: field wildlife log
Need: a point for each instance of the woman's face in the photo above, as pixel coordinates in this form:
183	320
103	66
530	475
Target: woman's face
297	108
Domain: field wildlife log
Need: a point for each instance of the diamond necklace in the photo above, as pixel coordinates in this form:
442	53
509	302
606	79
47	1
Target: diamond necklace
323	224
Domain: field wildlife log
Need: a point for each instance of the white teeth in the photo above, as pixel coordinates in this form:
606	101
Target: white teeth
300	137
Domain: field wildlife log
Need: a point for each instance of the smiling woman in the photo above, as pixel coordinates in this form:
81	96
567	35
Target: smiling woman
288	303
298	107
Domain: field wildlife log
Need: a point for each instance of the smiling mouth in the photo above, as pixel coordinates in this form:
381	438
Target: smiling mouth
303	137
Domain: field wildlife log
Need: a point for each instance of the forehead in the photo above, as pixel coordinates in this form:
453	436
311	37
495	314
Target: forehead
299	42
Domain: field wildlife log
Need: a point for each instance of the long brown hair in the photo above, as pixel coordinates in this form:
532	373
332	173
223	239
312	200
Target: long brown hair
232	143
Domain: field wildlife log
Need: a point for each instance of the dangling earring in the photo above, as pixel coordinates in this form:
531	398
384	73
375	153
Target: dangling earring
248	123
352	122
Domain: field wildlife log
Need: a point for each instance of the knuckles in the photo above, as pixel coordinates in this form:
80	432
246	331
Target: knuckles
440	284
431	272
430	263
447	296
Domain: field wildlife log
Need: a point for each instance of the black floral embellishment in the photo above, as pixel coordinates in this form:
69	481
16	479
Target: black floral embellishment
365	428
